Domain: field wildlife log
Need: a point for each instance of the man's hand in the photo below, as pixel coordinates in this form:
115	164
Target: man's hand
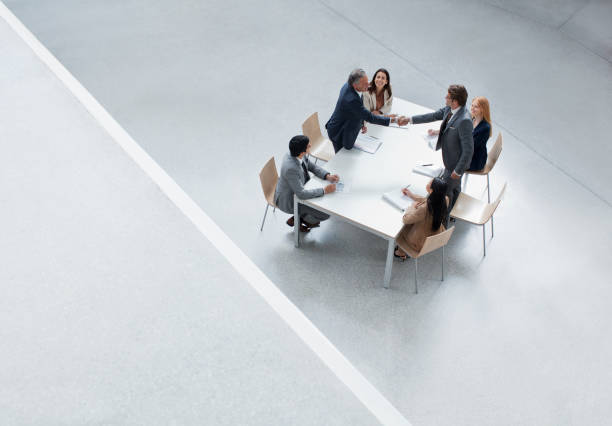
329	188
333	178
364	129
402	121
432	132
455	175
377	113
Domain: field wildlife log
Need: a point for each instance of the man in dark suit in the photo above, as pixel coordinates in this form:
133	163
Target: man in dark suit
454	137
349	115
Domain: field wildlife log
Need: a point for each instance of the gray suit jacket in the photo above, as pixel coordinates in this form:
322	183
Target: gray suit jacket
291	181
456	141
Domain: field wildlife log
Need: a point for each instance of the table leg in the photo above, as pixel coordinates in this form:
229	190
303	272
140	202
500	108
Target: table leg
296	223
389	263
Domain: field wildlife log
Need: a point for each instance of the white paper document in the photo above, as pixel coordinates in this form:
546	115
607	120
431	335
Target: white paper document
341	187
432	140
367	143
430	170
397	126
400	201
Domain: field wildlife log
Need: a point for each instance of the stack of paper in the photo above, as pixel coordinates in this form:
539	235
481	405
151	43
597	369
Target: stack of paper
398	200
367	143
428	170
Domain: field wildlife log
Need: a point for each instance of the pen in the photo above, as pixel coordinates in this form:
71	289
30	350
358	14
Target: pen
425	165
373	137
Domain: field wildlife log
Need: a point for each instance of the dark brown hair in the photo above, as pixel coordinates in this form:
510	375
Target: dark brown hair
457	92
372	87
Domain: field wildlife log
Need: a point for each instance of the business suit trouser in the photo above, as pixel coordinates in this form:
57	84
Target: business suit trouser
453	188
310	215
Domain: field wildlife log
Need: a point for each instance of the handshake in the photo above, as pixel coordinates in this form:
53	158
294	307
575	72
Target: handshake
399	119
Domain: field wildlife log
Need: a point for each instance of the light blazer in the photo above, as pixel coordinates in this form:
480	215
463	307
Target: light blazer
417	225
348	117
291	181
456	140
369	102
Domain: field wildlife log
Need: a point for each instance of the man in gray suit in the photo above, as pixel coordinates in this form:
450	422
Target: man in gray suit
454	137
293	177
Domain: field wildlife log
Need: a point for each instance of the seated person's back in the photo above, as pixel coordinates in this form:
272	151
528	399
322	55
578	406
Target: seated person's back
425	217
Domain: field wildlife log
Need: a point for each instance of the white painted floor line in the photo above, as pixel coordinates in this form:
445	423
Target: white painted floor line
327	352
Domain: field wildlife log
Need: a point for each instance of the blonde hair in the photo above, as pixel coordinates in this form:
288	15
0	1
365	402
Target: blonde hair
483	104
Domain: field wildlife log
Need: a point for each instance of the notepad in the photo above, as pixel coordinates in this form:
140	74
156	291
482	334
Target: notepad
400	201
367	143
431	171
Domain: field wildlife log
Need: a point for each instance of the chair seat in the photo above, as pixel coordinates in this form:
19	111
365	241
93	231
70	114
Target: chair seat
324	151
469	209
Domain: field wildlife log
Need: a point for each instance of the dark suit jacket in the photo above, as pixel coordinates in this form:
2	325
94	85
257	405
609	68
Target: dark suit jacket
456	140
348	117
481	136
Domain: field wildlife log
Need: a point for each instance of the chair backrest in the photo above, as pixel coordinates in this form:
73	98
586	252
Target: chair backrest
490	208
434	242
269	177
311	128
494	154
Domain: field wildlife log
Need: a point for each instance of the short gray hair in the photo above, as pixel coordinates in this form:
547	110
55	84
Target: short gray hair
355	76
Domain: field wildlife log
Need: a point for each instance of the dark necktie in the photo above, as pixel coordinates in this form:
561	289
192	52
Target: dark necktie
306	175
444	124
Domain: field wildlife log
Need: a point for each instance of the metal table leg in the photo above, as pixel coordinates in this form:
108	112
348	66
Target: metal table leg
389	263
296	223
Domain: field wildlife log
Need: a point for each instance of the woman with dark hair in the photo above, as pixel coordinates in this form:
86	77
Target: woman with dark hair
425	217
378	98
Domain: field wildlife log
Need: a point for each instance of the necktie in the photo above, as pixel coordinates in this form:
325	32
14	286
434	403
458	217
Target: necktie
444	124
306	175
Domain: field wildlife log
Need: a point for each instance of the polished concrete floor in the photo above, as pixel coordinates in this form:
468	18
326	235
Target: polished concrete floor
110	312
212	90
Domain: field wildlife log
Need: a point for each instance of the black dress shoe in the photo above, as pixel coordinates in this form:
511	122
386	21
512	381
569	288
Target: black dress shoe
303	228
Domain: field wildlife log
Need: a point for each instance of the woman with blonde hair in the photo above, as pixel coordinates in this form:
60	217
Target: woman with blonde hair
481	118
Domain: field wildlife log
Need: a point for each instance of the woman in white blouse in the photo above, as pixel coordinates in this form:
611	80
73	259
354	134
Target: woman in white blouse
378	98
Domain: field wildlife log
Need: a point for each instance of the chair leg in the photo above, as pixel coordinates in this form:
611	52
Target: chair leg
264	218
489	199
416	268
442	263
484	246
274	209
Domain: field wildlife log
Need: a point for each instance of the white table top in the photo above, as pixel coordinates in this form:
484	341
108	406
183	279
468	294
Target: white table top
368	176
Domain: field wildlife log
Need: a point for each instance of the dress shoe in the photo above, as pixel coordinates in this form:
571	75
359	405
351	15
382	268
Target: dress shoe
303	228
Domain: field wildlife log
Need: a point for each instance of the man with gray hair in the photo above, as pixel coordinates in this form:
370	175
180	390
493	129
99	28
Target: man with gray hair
349	114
